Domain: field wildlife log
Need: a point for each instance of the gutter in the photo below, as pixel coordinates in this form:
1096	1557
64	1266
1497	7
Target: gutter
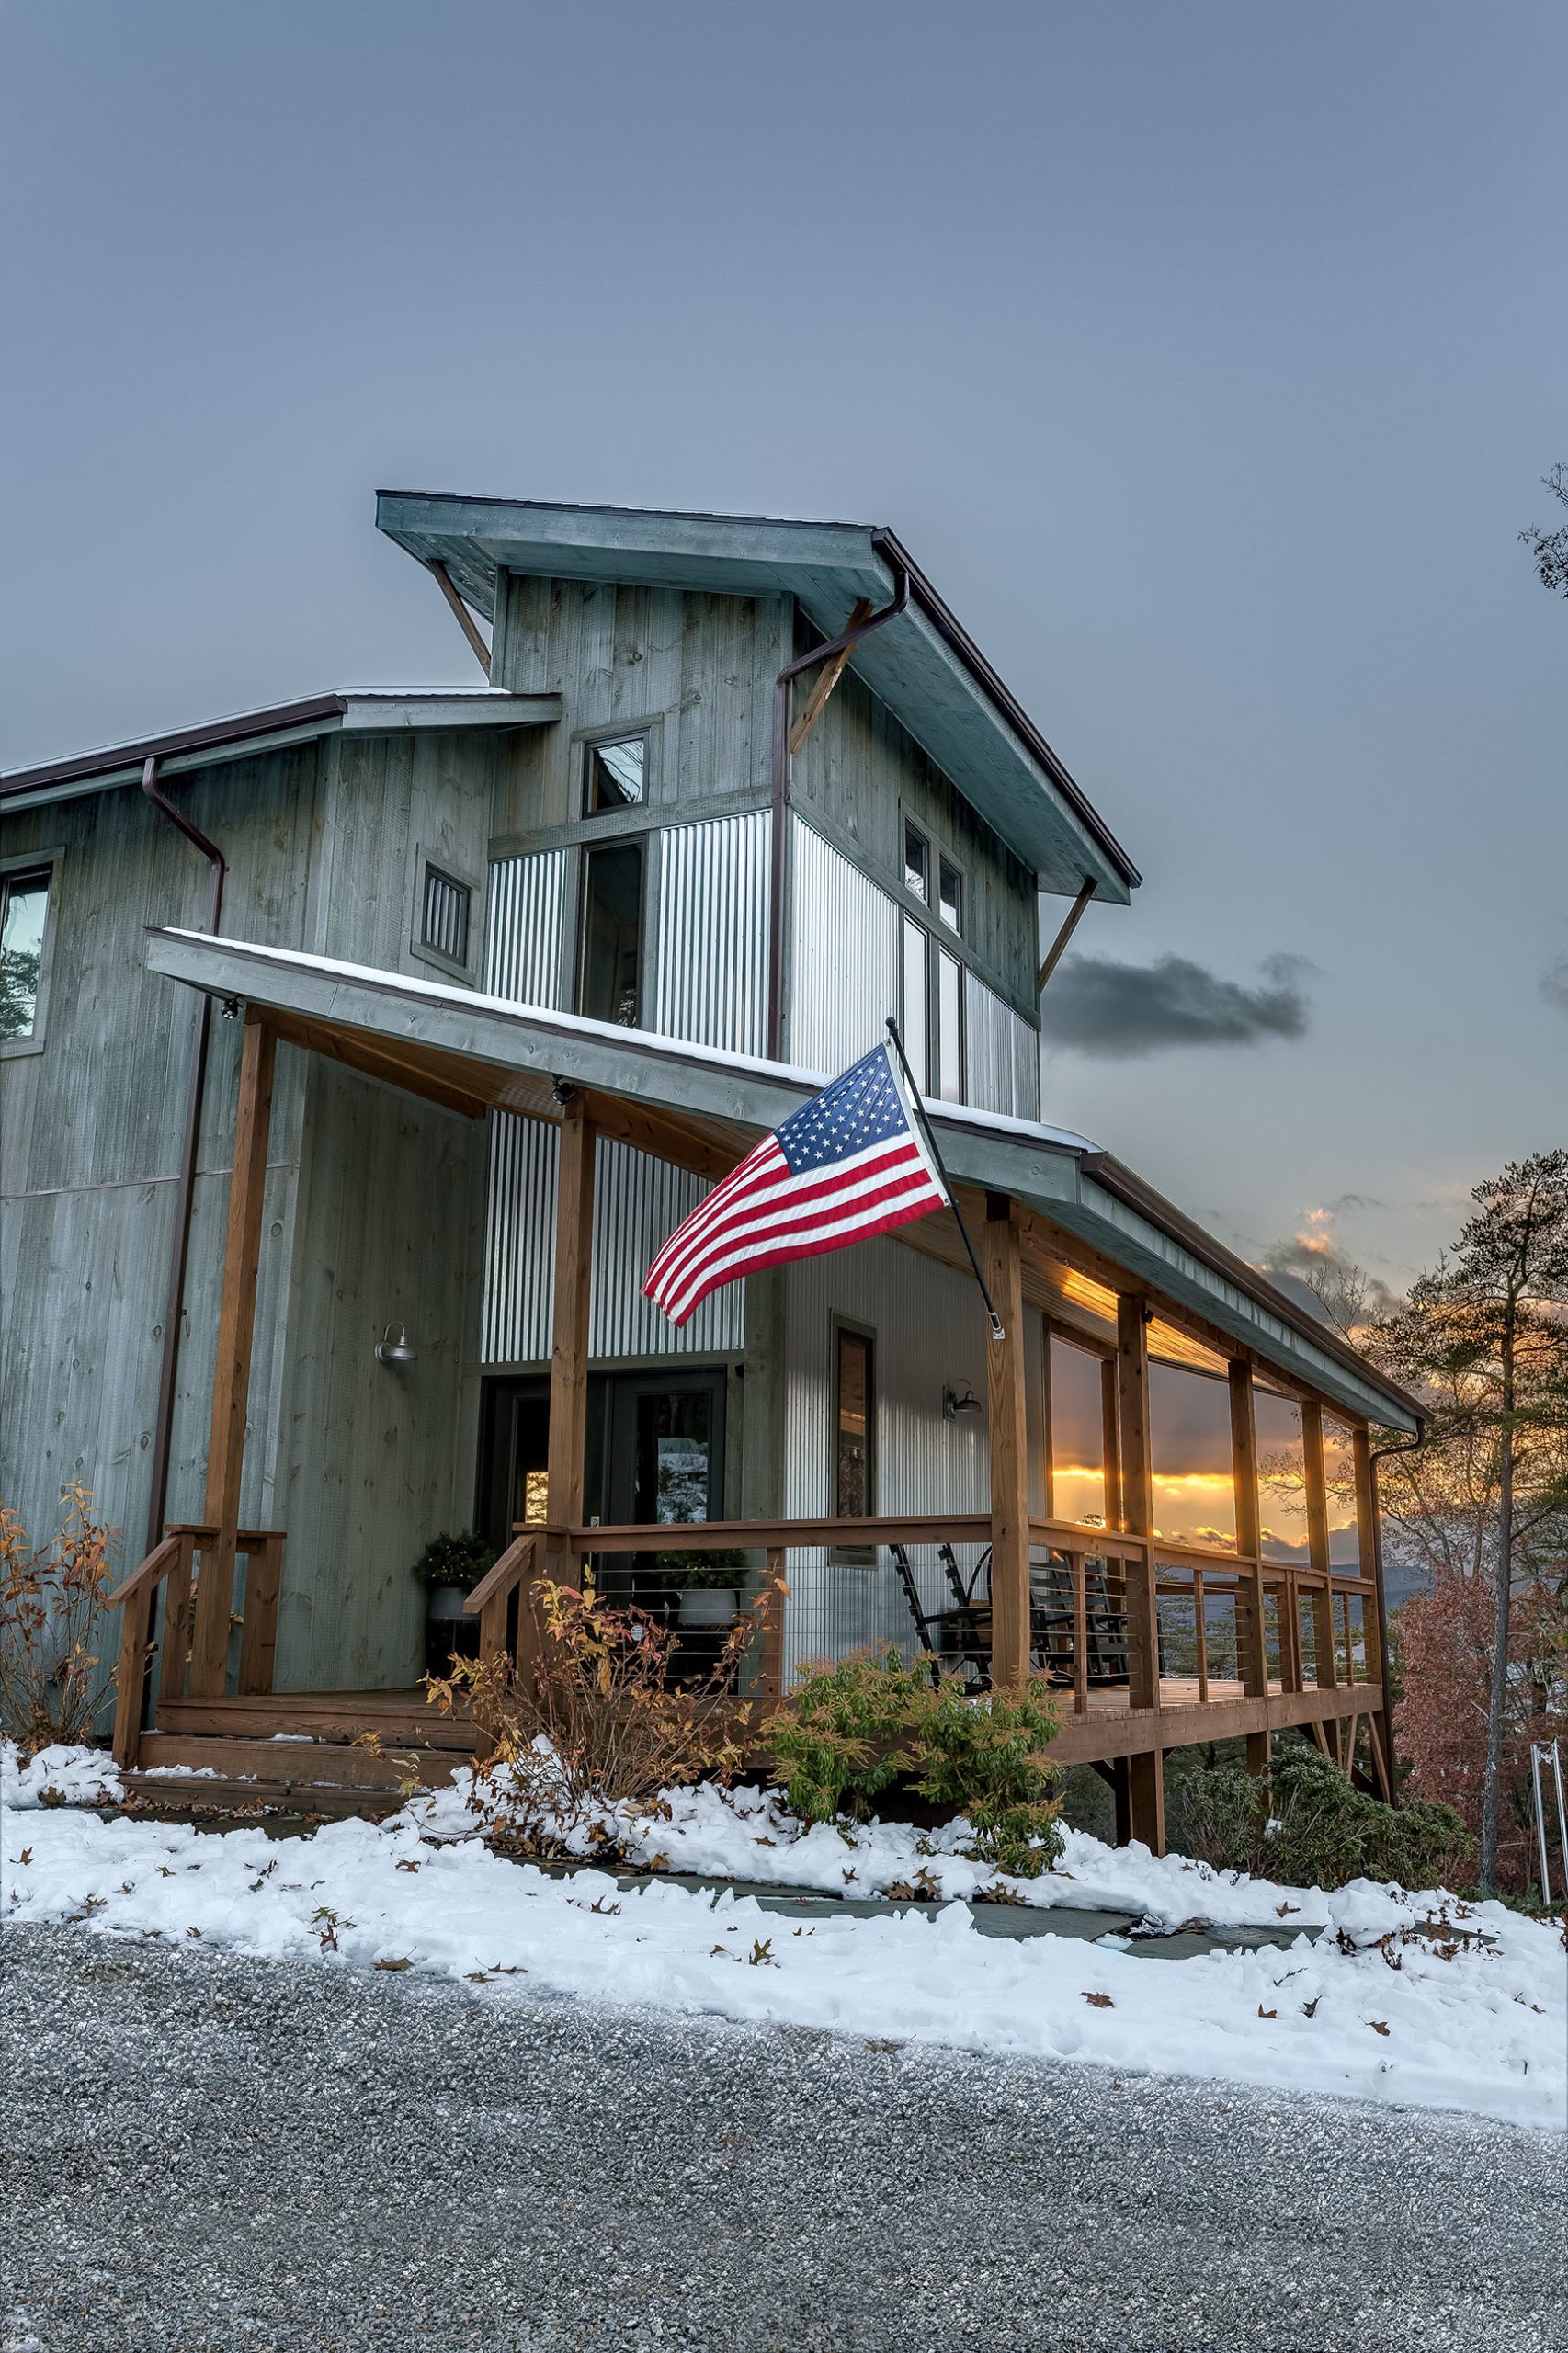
163	1426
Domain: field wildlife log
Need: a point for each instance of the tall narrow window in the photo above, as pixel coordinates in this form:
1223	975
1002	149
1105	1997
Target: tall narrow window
852	1490
618	774
24	907
949	895
916	1001
950	1028
916	862
612	933
448	903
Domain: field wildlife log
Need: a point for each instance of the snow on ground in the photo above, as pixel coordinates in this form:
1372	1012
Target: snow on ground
59	1776
1413	2020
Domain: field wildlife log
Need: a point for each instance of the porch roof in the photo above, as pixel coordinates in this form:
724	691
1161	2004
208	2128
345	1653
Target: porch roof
702	1107
923	665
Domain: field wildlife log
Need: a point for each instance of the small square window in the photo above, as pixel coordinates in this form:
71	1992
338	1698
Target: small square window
23	910
448	906
618	774
916	862
950	895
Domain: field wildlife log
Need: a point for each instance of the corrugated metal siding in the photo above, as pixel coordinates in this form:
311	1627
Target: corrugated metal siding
522	946
843	955
711	983
930	1333
1002	1056
637	1202
519	1254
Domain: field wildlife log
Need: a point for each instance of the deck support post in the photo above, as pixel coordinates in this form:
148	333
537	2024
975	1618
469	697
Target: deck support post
1145	1772
1007	1390
230	1380
1374	1623
568	1348
1317	1543
1252	1635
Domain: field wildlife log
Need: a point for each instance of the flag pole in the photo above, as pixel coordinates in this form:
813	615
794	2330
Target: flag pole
919	1107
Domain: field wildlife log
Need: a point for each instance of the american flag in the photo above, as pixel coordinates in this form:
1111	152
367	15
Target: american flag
849	1164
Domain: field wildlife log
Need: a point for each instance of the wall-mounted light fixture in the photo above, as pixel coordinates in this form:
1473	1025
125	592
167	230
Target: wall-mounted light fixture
394	1351
953	1404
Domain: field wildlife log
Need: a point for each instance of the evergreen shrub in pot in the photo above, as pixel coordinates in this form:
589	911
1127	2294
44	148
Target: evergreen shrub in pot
450	1567
707	1583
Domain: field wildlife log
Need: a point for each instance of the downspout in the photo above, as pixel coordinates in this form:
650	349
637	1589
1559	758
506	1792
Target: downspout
162	1427
1375	1456
781	685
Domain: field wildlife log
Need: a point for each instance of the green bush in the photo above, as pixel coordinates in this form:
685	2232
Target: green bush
854	1726
1305	1825
841	1737
988	1756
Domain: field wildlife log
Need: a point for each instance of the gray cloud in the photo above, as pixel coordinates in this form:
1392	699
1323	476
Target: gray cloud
1327	1282
1098	1005
1555	984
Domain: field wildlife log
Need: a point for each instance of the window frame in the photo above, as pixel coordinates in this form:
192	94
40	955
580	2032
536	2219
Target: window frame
32	862
949	866
603	739
451	870
637	844
945	955
840	1328
921	898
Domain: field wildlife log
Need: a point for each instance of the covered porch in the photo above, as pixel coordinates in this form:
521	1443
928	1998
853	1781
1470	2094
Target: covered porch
1152	1644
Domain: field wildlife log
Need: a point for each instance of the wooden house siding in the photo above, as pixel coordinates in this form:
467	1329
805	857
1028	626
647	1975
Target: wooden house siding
321	842
695	671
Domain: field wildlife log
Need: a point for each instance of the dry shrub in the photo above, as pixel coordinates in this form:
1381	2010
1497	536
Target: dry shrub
52	1603
596	1726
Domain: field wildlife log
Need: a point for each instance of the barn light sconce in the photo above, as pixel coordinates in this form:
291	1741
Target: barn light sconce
953	1404
394	1351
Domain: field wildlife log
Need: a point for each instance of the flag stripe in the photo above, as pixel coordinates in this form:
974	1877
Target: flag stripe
906	1196
777	1194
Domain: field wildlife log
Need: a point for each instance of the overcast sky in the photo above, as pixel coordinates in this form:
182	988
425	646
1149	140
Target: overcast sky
1207	358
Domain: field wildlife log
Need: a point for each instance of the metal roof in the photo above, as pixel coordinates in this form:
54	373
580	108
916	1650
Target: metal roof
493	1051
924	665
355	710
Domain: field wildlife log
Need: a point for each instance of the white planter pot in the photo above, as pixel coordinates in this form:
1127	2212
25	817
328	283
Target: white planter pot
701	1606
445	1601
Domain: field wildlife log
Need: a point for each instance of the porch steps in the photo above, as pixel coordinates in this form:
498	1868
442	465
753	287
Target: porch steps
305	1752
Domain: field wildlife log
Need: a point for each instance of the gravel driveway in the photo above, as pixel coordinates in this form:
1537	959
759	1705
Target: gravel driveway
208	2153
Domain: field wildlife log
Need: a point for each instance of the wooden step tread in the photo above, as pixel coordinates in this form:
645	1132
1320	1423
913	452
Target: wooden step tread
222	1796
298	1764
409	1726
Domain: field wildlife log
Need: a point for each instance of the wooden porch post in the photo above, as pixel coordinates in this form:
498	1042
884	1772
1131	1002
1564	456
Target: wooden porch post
1010	1451
1253	1640
1317	1543
231	1381
569	1351
1146	1773
1374	1623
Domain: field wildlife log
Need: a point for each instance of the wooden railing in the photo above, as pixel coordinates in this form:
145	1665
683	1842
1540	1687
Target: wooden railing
175	1561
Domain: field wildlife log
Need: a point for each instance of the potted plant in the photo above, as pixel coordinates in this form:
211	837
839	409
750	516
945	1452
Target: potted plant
449	1568
706	1582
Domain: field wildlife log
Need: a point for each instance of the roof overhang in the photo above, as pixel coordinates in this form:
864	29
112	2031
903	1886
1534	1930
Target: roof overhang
375	711
923	664
472	1052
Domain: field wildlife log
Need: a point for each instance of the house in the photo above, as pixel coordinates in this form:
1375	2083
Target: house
361	1052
